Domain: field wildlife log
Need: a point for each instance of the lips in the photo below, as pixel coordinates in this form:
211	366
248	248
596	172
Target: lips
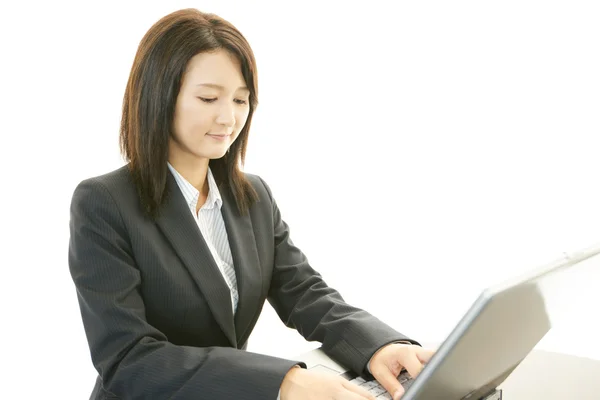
221	138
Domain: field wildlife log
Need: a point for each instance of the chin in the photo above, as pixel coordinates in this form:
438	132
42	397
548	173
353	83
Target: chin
213	155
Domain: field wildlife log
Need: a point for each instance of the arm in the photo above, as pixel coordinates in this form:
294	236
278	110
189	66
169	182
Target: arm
304	301
134	359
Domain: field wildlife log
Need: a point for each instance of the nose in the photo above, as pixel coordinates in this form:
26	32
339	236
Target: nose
226	115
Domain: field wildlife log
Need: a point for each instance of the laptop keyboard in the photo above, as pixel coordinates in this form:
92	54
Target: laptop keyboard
377	390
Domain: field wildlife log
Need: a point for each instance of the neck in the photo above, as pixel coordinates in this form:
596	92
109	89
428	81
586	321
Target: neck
194	172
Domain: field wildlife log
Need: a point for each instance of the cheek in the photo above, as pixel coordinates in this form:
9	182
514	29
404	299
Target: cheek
240	119
193	117
189	128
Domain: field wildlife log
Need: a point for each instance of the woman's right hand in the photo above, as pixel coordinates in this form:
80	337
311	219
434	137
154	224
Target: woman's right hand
303	384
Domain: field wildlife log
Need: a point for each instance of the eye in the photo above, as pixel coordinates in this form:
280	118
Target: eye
240	101
204	99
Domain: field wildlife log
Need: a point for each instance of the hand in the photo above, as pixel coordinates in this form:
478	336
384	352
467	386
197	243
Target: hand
303	384
388	362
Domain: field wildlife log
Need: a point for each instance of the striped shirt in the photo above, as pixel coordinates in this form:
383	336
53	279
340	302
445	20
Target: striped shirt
211	225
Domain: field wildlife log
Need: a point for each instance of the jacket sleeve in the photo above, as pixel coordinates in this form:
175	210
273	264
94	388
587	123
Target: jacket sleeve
134	359
303	301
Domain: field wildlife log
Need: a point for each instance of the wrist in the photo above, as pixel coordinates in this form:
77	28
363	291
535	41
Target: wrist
405	342
289	380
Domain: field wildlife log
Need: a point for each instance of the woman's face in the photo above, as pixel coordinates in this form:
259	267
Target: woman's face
211	109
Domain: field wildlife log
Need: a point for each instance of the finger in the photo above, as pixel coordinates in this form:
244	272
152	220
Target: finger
424	355
390	382
357	391
412	364
349	395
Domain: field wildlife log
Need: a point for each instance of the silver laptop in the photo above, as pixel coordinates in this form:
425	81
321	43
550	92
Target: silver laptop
499	330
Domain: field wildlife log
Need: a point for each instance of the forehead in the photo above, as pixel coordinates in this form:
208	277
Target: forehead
220	68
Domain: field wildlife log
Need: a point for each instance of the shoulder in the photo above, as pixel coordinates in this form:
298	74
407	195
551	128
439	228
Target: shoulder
111	187
260	186
118	179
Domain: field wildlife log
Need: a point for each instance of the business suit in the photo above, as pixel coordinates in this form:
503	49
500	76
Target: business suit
157	311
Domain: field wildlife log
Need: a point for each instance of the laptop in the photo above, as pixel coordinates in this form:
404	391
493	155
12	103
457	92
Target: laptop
502	326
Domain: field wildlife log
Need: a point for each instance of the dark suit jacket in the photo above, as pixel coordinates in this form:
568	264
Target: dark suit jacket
157	312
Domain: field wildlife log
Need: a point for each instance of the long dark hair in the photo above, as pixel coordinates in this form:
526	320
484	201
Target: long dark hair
151	94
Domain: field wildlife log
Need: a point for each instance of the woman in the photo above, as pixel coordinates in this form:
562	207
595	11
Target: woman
174	254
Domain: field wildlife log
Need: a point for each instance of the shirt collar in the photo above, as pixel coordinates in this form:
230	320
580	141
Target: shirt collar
191	194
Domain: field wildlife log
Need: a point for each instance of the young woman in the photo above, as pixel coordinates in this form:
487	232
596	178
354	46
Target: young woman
174	254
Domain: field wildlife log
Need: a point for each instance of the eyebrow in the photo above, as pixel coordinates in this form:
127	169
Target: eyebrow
215	86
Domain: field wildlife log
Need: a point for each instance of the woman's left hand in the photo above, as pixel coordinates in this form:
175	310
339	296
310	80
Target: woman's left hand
388	362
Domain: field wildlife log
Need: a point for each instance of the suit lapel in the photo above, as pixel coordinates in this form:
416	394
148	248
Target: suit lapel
246	263
178	224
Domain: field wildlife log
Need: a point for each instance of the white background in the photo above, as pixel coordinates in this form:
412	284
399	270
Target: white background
419	152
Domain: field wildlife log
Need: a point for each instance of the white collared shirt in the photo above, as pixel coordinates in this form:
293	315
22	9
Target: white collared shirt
211	225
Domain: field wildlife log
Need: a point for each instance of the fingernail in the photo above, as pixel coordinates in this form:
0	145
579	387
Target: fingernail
397	395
